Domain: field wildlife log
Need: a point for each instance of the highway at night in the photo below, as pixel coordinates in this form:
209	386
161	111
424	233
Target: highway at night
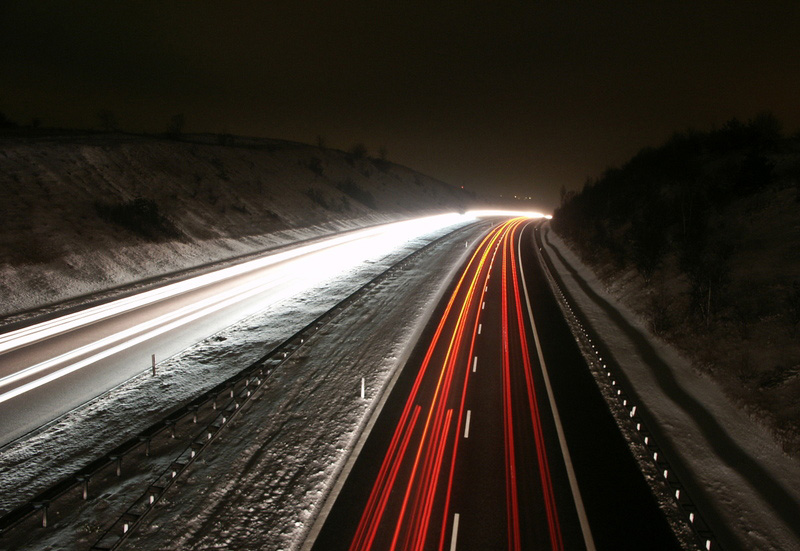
495	436
53	366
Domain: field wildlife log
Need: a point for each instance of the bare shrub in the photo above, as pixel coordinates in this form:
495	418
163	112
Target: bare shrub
658	312
352	189
140	216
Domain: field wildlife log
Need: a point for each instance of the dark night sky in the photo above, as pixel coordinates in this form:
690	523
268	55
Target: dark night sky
505	97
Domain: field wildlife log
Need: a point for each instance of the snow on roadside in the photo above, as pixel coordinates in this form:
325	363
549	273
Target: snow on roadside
740	470
121	267
265	487
307	455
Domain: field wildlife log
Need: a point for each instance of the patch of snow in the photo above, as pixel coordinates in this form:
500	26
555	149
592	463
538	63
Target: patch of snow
279	460
737	467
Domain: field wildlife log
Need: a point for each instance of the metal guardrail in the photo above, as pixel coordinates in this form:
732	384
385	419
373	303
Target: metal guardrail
226	398
637	415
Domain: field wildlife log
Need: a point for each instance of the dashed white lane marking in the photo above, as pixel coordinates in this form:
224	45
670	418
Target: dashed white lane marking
466	426
483	305
475	364
455	533
480	325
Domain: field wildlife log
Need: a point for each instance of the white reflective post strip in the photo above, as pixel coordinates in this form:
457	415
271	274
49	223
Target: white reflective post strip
455	533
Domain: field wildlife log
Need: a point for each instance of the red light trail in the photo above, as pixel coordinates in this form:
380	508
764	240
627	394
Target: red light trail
416	479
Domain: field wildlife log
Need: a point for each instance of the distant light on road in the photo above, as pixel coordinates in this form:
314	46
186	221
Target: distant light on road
513	213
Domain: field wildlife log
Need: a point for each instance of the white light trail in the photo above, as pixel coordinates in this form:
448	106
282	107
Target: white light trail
291	272
511	213
391	232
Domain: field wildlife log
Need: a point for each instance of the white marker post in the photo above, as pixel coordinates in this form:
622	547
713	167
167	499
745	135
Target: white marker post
454	536
362	388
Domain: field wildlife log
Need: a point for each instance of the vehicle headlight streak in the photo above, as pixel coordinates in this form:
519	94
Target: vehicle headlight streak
300	267
128	338
425	442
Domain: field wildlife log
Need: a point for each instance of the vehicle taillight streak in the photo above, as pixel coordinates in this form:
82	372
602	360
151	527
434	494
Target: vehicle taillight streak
544	468
417	477
376	507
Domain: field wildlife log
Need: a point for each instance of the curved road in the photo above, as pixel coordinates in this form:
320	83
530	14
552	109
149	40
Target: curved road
495	435
51	367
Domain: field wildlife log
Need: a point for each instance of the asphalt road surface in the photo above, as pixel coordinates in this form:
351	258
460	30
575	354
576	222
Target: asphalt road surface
495	435
51	367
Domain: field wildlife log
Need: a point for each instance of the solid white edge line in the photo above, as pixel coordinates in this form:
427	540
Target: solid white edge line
455	533
573	482
466	425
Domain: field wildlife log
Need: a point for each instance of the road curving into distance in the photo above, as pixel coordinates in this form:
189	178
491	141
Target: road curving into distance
495	435
49	368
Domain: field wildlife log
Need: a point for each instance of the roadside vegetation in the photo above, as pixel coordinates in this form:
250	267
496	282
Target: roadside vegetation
700	236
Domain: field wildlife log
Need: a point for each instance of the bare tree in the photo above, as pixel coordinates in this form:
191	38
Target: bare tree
5	122
108	121
358	151
176	124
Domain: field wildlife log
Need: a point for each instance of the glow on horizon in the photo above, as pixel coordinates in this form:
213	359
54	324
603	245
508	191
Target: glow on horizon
497	212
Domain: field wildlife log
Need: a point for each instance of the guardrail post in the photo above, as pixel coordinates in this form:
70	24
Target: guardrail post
118	460
146	441
43	505
84	479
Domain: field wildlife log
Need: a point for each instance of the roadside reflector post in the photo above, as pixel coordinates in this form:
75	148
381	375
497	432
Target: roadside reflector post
43	506
84	480
153	357
146	441
362	388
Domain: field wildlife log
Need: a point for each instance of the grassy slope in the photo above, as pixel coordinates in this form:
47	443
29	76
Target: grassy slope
70	223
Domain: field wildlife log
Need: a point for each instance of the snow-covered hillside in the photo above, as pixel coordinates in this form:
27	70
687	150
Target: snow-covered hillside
82	214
